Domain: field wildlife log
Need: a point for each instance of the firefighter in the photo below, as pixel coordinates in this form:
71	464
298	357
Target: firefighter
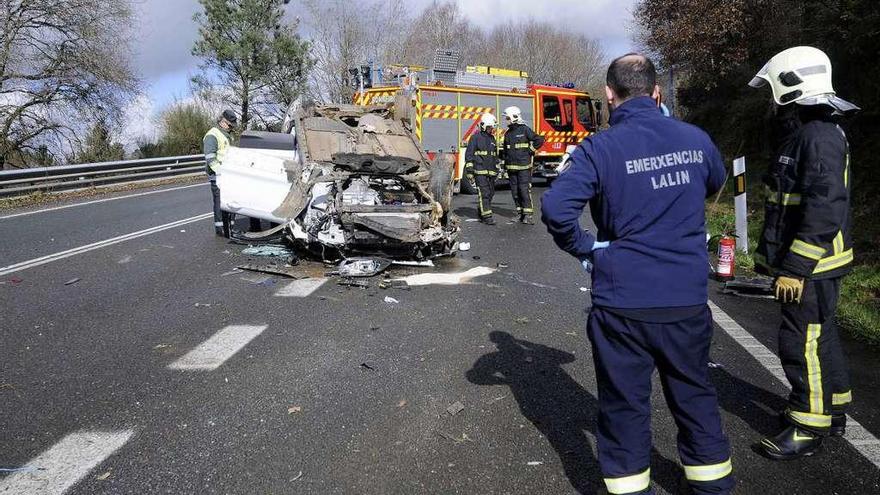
805	244
520	144
646	180
481	162
215	145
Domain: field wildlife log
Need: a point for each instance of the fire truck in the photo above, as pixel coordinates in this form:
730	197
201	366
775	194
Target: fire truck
444	112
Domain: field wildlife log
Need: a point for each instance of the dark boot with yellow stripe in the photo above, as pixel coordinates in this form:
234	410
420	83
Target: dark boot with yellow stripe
838	425
791	443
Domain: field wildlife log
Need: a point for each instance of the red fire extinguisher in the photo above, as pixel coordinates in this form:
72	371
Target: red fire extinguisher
726	258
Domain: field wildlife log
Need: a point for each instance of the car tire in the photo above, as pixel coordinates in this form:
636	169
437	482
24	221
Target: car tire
441	180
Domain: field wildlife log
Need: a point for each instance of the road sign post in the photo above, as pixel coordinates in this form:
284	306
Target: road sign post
739	185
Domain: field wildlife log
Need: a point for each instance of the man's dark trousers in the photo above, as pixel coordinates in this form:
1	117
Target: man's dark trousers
521	189
625	353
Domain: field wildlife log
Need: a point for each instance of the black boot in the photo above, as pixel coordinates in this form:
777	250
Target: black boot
838	425
528	220
791	443
490	220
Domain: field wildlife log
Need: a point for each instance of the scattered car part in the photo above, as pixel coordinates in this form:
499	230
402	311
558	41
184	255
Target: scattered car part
362	267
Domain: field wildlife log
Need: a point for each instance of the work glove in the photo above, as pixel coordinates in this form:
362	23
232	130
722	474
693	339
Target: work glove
788	289
587	263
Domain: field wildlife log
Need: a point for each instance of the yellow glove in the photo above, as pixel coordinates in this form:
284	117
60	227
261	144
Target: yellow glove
788	289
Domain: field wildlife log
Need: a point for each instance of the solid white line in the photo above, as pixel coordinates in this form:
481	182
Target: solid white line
860	438
98	245
301	288
216	350
97	201
67	462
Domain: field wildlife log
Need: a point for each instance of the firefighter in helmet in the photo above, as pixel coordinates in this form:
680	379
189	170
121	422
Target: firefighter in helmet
805	244
481	162
520	144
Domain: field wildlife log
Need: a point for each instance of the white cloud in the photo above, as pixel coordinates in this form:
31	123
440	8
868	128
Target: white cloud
138	123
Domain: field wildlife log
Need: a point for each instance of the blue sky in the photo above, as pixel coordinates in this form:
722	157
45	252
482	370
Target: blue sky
166	34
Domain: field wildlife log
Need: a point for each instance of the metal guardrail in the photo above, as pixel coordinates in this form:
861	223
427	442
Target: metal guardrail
66	177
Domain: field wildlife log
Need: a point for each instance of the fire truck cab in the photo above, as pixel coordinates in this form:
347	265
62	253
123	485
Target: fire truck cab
445	111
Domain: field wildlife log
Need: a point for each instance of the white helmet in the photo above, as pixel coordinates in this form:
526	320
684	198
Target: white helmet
513	114
801	75
487	120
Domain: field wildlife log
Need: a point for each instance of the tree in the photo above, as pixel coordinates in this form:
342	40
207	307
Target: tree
62	63
183	126
251	57
98	146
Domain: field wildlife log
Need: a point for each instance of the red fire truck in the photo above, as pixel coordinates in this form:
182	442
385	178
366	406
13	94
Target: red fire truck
444	114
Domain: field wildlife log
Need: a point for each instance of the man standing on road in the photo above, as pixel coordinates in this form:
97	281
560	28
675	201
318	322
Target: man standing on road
646	180
806	245
481	162
520	144
215	144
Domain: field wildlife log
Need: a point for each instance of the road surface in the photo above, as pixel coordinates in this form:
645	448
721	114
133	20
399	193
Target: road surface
134	359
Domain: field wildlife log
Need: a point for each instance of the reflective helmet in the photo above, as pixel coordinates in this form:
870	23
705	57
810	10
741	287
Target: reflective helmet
801	75
513	114
487	120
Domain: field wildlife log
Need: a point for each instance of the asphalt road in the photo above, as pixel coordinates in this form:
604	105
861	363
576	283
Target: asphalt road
337	391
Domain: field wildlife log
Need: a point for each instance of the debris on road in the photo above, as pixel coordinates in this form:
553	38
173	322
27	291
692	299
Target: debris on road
535	463
362	267
294	409
350	282
124	260
584	289
394	284
71	281
464	438
284	271
715	365
162	346
297	477
522	320
472	220
391	300
447	278
496	399
267	250
455	408
502	264
103	477
464	246
367	367
402	403
760	287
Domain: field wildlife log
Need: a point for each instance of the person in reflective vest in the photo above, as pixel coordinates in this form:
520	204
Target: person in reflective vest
806	245
520	144
646	179
481	165
215	145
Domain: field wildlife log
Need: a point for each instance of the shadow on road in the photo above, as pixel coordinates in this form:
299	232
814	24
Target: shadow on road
559	407
757	407
471	211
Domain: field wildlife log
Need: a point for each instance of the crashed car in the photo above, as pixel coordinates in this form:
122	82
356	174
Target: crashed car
344	181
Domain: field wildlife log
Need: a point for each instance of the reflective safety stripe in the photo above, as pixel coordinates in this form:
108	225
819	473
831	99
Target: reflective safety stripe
629	484
218	224
838	243
522	145
528	210
809	419
807	250
814	369
788	199
484	153
835	261
485	172
518	167
710	472
841	399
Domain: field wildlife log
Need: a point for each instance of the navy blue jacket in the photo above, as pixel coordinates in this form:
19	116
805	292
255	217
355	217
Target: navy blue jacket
646	179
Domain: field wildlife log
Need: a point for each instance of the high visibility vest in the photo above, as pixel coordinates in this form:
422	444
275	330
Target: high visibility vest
223	144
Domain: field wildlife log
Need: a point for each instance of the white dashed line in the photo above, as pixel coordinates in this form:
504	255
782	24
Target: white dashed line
860	438
84	203
301	288
68	461
216	350
98	245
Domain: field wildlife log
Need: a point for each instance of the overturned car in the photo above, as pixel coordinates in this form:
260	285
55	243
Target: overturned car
344	181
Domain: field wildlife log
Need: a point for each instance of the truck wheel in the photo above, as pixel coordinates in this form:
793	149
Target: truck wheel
441	180
468	186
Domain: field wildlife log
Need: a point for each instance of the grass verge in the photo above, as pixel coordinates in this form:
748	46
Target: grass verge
858	310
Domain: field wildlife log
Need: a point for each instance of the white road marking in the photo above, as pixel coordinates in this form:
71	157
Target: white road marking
216	350
301	288
860	438
98	245
67	462
447	278
84	203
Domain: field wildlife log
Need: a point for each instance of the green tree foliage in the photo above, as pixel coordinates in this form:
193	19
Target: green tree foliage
718	46
252	57
183	126
99	146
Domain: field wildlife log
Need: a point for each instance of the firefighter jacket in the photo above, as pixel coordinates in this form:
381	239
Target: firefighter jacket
520	144
215	144
646	179
481	155
807	217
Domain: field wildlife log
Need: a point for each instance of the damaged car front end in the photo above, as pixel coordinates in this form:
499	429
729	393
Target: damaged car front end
344	181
